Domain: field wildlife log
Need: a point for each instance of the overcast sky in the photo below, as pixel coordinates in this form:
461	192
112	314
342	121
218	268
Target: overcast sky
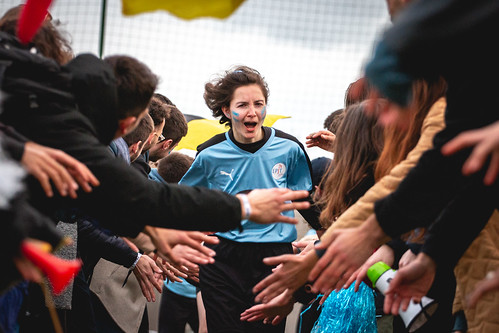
308	51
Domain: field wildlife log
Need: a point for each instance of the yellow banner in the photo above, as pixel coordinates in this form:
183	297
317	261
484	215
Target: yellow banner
200	130
186	9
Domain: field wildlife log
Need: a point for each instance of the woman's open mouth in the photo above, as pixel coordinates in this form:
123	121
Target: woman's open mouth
250	126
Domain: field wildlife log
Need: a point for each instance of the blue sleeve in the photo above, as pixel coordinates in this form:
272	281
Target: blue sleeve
300	178
196	175
300	175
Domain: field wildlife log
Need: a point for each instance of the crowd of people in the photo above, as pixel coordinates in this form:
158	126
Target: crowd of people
90	172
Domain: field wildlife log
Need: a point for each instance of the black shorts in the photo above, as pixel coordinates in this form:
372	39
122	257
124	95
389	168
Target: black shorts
175	312
226	286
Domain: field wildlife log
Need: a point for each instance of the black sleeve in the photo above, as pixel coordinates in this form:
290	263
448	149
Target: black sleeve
21	221
13	147
311	215
443	27
97	243
459	224
141	165
424	192
125	201
399	247
12	142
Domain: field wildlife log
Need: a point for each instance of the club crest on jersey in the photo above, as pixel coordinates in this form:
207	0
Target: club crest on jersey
278	170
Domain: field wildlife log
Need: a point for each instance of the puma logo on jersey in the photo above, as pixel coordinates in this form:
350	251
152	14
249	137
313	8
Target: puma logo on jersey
227	174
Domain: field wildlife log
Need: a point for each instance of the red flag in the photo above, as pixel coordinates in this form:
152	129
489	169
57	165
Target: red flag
31	18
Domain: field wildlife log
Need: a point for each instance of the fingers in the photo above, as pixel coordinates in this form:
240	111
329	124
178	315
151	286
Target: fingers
460	142
294	195
298	205
194	278
252	313
211	239
387	305
313	135
477	159
271	292
355	277
252	317
81	180
155	282
147	289
404	303
84	177
178	272
202	251
191	267
324	261
329	278
79	171
395	305
165	252
44	181
269	287
196	259
269	280
277	320
345	277
285	219
273	261
171	276
59	176
493	170
301	244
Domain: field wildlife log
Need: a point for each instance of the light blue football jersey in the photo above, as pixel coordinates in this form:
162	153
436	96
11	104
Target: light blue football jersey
183	288
280	162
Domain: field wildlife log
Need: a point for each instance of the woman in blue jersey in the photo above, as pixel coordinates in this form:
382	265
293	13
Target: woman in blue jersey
247	157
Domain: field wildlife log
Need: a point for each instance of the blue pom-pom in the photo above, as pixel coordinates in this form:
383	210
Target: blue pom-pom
348	311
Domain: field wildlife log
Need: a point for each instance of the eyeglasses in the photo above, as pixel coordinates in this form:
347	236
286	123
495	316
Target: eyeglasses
161	138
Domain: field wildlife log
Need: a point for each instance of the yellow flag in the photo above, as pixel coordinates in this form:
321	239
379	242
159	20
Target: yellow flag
200	130
186	9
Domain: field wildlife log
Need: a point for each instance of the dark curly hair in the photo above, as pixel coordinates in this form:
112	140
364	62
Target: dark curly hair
218	92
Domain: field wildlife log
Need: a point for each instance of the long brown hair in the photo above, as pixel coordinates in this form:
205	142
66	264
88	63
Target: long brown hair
398	143
358	143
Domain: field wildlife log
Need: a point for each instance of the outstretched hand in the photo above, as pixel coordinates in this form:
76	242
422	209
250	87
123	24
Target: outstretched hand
384	253
165	239
346	251
411	282
149	276
290	275
323	139
170	272
486	144
267	204
273	312
48	164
